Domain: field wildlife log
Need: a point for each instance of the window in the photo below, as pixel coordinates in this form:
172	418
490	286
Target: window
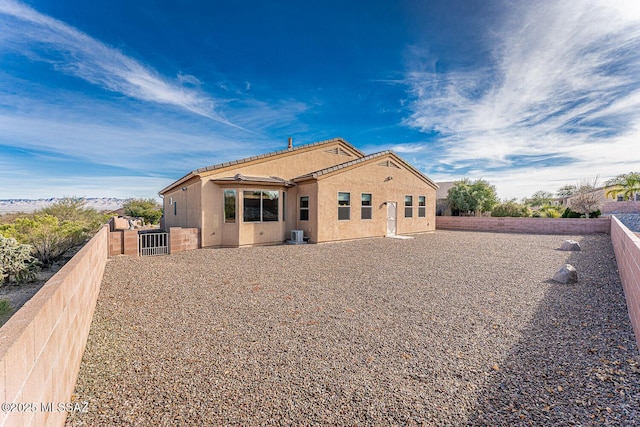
304	208
229	206
284	206
260	206
408	206
366	210
344	206
422	206
175	208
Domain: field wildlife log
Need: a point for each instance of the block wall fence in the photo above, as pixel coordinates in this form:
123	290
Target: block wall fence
125	242
626	245
525	225
42	344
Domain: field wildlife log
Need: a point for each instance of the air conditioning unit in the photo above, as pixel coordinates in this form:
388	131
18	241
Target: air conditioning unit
297	236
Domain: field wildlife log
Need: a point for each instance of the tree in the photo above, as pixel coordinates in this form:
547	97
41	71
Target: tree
625	185
148	209
539	198
472	197
511	208
567	190
586	199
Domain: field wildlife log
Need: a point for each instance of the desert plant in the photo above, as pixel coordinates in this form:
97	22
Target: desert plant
510	208
539	198
148	209
48	236
548	211
568	213
17	265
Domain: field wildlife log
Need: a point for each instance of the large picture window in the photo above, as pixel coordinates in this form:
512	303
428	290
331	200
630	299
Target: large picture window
304	208
408	206
229	206
344	206
260	206
366	209
422	206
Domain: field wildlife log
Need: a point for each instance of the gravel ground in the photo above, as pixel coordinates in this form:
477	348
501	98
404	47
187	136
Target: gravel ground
450	328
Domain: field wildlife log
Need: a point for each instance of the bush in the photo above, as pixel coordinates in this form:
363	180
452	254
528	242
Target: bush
510	209
73	209
568	213
5	307
547	212
48	236
147	209
16	263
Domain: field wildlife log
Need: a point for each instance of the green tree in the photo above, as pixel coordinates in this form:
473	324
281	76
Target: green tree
148	209
625	185
469	197
511	208
539	198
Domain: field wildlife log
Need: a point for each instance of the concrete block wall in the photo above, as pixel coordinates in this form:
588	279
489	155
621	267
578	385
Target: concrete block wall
123	242
183	239
629	207
626	245
41	346
525	225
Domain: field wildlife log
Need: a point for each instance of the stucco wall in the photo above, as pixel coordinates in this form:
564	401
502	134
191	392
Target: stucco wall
43	343
627	248
525	225
385	184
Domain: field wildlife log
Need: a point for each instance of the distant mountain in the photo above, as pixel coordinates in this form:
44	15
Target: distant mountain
29	205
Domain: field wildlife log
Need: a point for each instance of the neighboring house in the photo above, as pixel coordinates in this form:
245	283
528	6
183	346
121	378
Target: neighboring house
443	208
609	204
328	189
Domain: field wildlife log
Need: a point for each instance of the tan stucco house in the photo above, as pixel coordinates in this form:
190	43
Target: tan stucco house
330	190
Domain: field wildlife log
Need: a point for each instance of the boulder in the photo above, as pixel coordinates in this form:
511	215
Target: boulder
570	245
566	274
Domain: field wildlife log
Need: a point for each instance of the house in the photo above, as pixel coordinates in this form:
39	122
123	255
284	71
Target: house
330	190
442	203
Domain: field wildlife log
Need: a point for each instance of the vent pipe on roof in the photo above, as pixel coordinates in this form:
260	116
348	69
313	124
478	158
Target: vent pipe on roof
290	143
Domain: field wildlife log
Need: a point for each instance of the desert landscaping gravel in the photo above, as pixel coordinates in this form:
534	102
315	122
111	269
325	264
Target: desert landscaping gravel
449	328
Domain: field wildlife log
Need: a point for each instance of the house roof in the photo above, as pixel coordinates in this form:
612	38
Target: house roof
319	173
266	156
443	191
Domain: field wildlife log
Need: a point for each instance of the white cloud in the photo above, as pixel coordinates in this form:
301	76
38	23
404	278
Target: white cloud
70	51
563	85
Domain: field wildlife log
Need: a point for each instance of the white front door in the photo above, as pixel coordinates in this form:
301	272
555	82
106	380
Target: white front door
391	218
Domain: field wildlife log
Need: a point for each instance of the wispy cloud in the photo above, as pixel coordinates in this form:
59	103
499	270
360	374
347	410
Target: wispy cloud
563	84
42	38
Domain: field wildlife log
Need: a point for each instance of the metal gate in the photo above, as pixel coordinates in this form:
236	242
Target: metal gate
153	244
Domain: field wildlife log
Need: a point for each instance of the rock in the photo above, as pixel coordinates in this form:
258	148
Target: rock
567	274
570	245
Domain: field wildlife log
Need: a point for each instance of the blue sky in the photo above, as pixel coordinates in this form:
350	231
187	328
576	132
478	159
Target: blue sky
119	98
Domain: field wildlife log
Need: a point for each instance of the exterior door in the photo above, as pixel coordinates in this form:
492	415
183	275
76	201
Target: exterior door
392	209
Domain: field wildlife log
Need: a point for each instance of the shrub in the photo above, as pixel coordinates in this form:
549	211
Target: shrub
568	213
17	265
510	209
48	236
147	209
548	212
